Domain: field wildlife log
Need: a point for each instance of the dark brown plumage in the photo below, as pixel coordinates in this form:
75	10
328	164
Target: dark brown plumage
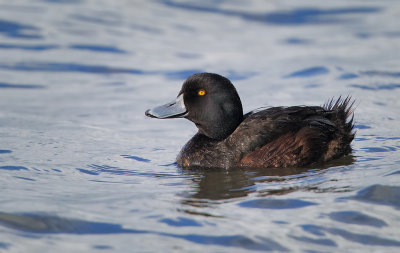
274	137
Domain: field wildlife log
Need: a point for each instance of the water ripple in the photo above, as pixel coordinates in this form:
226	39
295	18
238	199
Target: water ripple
98	48
13	168
378	149
137	158
101	69
96	170
239	241
102	247
42	223
47	224
68	67
347	76
4	245
363	239
18	30
381	73
300	16
20	86
297	41
63	1
353	217
325	242
181	222
26	178
276	203
28	47
99	17
380	194
361	126
391	86
313	71
394	173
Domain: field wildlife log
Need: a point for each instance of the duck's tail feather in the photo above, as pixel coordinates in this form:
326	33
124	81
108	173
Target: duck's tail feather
341	113
346	105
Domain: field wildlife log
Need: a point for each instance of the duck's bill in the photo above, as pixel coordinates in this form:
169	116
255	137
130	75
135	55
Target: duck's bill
174	109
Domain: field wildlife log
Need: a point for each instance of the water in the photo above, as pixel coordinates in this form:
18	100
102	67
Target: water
83	170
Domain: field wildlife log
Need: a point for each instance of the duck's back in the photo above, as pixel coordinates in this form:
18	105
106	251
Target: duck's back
296	136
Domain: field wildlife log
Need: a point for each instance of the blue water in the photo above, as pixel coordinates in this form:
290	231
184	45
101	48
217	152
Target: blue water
83	170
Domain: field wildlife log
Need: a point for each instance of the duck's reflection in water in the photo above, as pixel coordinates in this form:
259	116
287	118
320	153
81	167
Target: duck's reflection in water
219	185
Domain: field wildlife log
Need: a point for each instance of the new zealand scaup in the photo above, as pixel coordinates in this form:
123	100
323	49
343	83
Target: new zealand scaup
275	137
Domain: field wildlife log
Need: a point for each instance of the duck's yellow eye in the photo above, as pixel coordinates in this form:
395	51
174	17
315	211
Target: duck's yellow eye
201	92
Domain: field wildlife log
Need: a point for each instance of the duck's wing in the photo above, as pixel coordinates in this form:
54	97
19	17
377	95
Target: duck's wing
262	127
290	136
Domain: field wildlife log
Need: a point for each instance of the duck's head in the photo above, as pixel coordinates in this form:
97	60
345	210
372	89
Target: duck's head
208	100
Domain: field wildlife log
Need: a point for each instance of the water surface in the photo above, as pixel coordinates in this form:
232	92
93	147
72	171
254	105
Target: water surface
83	170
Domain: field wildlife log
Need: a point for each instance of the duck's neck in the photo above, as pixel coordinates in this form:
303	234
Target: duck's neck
220	129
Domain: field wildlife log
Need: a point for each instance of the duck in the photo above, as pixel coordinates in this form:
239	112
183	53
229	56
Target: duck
273	137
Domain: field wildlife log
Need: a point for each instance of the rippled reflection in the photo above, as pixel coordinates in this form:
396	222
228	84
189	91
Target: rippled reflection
219	184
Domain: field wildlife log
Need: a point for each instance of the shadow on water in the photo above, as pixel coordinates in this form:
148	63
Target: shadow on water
36	225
